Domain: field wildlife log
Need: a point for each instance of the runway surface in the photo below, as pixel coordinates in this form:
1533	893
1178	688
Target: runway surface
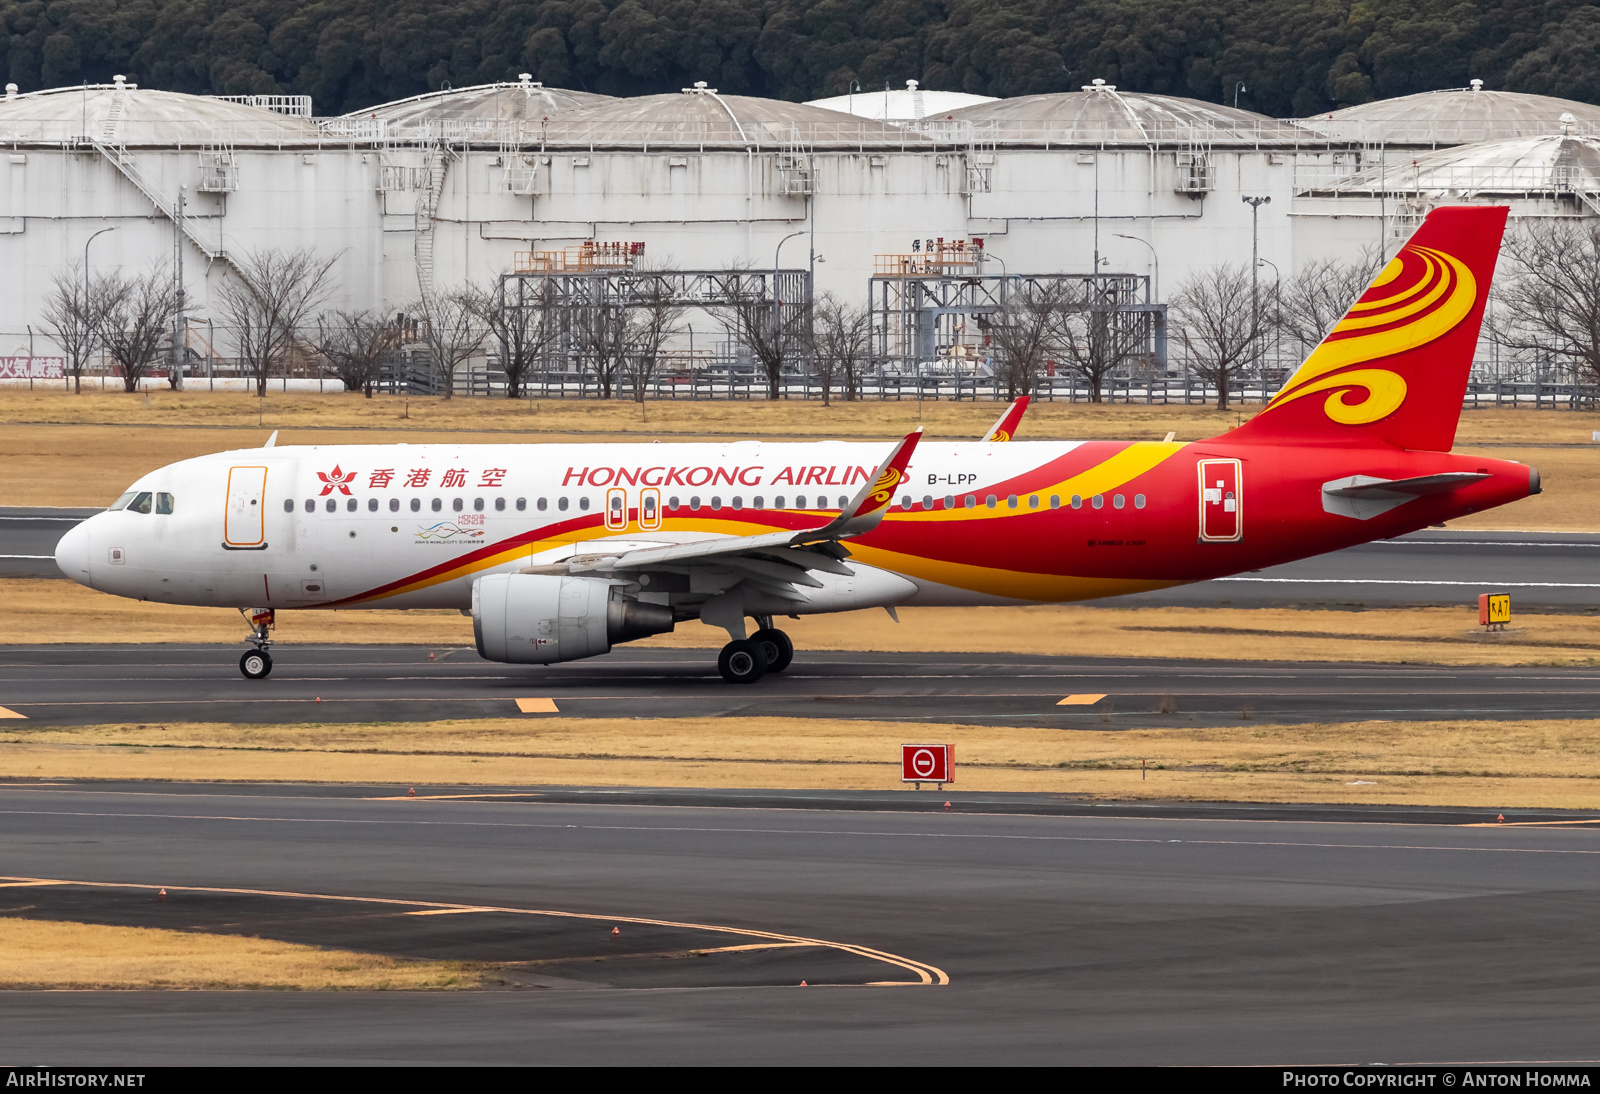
86	685
1173	936
1542	570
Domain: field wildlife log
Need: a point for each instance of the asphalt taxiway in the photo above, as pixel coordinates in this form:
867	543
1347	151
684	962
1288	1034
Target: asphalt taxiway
86	685
1113	936
1552	571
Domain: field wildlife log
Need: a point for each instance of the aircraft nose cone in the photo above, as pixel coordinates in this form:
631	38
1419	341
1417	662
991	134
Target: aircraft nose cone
72	554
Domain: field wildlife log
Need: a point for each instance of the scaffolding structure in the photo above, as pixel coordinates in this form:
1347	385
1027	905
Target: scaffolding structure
605	285
930	319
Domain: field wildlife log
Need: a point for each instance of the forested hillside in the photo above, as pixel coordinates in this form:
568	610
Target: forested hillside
1292	57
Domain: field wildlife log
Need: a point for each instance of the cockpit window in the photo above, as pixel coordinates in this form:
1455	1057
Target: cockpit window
164	503
141	504
122	502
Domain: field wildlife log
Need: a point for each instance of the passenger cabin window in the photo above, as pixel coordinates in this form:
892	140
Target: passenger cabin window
1099	501
288	505
499	505
1138	501
927	501
416	505
350	505
1117	501
457	505
949	502
583	504
372	505
394	505
672	502
800	502
777	502
561	504
477	505
164	503
332	505
438	504
311	505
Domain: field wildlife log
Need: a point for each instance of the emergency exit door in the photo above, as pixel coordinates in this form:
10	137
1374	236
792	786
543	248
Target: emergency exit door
1221	502
244	525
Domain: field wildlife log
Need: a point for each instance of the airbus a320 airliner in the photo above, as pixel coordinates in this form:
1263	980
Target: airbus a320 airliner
562	551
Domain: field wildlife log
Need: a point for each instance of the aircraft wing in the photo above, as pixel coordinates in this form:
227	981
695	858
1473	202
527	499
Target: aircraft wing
773	561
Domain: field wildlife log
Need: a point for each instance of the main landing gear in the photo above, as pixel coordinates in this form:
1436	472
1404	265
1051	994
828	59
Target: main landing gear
746	660
257	663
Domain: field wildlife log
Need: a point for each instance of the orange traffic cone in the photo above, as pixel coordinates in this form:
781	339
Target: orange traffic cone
803	984
615	931
413	792
1501	819
947	805
162	895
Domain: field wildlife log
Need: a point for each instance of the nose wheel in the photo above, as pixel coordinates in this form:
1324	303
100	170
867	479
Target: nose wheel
257	663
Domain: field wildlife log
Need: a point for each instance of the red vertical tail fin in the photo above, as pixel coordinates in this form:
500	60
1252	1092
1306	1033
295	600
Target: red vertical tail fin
1394	369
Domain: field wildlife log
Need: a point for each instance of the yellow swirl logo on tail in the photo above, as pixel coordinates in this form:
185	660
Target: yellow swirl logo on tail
1419	297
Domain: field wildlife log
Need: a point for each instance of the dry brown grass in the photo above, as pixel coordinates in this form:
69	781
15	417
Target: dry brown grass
1492	765
41	954
38	610
64	450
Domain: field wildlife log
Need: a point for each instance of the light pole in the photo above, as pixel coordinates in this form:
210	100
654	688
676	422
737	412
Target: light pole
1255	262
1155	263
1277	286
86	243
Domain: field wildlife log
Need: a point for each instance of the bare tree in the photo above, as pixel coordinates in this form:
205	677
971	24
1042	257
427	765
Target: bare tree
136	320
1096	331
521	321
841	345
1317	297
1548	300
1217	324
603	332
776	335
654	321
74	316
268	301
1023	333
355	344
453	332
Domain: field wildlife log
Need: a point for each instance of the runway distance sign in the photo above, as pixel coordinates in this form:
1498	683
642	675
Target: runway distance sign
927	763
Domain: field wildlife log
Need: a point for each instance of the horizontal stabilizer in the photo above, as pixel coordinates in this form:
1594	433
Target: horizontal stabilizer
1363	497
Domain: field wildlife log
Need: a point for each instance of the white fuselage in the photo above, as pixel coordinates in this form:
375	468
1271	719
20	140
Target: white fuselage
412	526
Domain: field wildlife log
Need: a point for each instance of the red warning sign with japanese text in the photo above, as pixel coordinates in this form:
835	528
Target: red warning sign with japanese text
927	763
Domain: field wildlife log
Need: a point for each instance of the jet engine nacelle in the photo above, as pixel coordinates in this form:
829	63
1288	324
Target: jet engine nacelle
538	619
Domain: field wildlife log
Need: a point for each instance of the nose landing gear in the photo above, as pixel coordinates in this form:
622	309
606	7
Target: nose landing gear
257	663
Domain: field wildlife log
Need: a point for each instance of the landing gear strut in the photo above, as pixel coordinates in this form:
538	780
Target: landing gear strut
257	663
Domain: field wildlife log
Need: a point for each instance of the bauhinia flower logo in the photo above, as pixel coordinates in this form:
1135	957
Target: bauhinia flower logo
336	480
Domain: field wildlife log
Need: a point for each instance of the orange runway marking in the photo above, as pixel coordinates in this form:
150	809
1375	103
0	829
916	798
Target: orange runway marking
1080	700
7	712
537	706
